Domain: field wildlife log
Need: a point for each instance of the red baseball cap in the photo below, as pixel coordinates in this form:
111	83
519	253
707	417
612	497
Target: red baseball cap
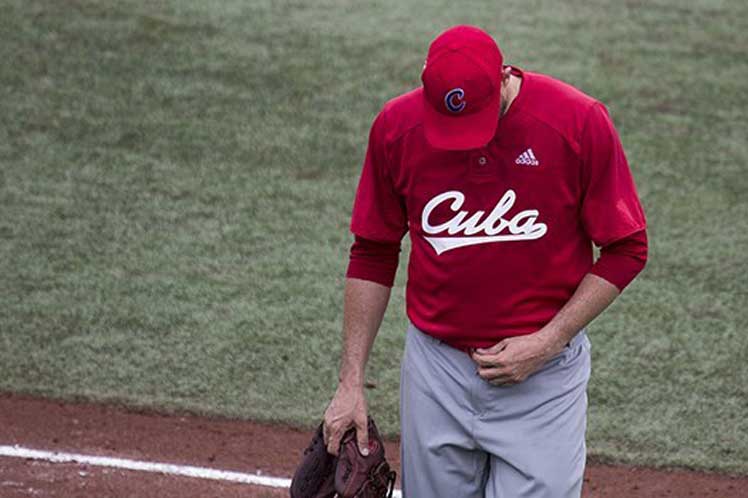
462	89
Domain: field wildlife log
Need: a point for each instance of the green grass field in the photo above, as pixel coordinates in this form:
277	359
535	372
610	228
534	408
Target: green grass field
176	180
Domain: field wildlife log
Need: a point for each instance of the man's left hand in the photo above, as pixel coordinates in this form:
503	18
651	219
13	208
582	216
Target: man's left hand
513	359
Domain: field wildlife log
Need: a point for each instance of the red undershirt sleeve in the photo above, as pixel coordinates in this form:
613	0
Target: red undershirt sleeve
374	261
622	260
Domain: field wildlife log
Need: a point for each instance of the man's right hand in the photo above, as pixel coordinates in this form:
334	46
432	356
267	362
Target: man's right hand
347	409
363	309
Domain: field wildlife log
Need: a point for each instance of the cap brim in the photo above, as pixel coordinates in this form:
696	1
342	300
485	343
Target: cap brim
461	132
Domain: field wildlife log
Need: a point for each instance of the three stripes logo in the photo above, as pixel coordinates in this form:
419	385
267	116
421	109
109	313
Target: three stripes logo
527	158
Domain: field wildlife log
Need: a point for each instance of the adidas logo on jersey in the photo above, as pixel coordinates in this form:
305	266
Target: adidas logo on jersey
527	158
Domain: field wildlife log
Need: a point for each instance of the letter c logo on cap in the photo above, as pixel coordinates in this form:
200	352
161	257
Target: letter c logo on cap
454	100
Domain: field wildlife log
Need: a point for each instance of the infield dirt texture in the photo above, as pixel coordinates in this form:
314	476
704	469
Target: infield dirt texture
176	179
256	450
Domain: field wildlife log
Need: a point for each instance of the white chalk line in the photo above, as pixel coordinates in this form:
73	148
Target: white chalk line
157	467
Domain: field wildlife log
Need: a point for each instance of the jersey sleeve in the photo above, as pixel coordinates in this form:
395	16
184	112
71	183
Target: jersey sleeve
610	205
378	211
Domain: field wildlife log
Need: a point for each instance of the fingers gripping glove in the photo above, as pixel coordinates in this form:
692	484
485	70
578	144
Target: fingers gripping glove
315	476
359	476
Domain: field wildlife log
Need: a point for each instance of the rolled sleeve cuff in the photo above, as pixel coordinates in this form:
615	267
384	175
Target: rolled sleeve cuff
621	261
374	261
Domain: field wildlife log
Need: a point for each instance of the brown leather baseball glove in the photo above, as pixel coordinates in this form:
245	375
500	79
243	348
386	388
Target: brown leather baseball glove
315	475
351	475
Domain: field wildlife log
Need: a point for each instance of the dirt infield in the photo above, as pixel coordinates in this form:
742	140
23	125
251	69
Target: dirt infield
226	445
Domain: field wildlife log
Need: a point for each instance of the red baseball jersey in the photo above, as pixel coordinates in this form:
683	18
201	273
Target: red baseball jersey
500	236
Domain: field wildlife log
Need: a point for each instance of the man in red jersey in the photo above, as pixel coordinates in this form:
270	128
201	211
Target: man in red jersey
504	179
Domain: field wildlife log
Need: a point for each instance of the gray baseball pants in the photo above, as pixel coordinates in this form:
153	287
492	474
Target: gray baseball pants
465	438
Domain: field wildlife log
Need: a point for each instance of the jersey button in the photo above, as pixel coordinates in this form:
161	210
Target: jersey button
482	166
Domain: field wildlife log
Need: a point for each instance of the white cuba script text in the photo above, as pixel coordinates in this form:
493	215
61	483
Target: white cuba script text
494	228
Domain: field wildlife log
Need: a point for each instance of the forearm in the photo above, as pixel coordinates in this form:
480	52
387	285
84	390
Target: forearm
363	309
593	295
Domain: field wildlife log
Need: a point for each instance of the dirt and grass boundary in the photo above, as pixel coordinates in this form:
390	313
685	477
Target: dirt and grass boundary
231	445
